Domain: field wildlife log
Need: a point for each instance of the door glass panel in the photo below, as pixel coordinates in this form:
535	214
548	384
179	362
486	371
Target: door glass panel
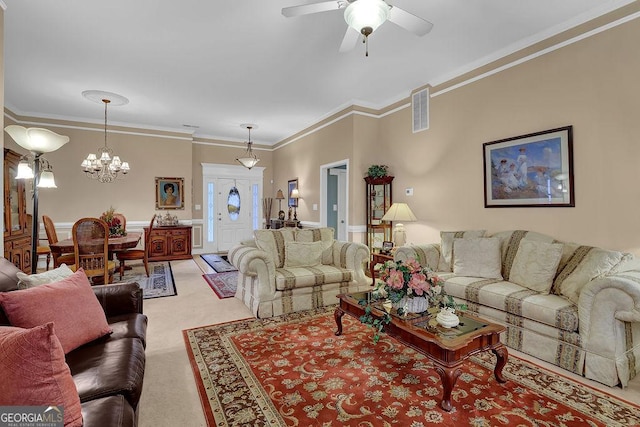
211	218
256	206
233	204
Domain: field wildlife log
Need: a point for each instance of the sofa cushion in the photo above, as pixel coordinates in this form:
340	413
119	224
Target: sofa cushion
8	275
535	265
511	243
70	304
272	242
133	325
581	264
111	411
477	257
34	372
324	235
446	246
303	254
26	281
109	368
515	299
301	277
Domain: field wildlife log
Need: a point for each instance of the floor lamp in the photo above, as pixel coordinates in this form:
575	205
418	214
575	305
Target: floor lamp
38	141
399	212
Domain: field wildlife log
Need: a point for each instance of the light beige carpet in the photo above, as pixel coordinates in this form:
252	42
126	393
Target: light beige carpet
170	396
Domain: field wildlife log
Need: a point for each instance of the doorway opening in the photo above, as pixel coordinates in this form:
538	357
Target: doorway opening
334	197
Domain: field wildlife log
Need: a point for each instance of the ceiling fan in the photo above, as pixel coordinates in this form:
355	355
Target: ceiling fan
364	17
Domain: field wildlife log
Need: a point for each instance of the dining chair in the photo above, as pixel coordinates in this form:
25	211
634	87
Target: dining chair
123	220
137	254
52	237
91	244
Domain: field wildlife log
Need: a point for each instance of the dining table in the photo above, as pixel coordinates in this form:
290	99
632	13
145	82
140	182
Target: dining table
119	243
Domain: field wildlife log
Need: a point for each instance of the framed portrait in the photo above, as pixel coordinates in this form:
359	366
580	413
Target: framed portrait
293	183
387	246
534	170
169	193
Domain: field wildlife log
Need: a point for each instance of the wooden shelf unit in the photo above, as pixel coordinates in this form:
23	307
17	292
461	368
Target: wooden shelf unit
17	232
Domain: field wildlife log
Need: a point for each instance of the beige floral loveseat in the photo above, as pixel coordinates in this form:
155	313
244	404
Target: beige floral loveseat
286	270
572	305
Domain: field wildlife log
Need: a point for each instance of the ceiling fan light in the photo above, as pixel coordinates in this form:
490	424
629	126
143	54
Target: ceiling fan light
366	13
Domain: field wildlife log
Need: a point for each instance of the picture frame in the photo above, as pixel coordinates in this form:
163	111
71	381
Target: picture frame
387	246
533	170
291	184
169	193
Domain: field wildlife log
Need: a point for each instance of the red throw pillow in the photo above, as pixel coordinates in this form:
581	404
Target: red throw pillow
34	372
70	304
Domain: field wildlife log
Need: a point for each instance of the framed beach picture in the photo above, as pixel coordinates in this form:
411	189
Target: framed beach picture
169	193
534	170
293	183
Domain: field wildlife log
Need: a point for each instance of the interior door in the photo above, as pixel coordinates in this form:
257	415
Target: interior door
341	205
234	212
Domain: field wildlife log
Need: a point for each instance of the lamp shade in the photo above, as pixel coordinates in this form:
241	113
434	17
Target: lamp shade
399	212
36	140
248	162
46	180
24	170
295	194
279	195
366	13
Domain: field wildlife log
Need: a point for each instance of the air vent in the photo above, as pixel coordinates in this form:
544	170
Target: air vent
420	101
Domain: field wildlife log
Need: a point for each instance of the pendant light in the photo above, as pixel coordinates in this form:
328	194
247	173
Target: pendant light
250	159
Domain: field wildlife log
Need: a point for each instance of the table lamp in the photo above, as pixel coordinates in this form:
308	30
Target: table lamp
399	212
280	198
295	194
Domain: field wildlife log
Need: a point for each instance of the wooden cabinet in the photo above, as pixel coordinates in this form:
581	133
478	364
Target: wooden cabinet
378	200
17	233
169	243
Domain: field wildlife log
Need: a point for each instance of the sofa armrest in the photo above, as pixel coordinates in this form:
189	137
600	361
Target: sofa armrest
427	255
352	256
251	261
120	298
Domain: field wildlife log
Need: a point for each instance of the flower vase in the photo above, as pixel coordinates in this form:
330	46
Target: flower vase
412	304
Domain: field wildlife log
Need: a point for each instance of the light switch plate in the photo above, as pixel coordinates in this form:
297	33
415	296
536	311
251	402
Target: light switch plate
408	191
198	207
315	206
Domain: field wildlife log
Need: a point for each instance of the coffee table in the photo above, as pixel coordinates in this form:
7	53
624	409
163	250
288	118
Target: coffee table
447	348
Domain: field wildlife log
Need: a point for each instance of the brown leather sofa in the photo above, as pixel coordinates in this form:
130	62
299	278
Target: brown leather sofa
109	371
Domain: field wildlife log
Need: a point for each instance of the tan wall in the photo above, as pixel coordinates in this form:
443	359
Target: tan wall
302	159
2	103
592	85
78	196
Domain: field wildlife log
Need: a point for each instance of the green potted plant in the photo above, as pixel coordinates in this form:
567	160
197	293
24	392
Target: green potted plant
377	171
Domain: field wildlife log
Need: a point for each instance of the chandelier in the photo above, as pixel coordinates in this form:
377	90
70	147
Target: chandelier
249	160
104	167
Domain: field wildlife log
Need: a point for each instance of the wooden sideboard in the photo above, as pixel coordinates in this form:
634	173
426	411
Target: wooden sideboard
169	243
17	233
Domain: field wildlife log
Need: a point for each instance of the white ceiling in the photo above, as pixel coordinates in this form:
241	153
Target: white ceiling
216	64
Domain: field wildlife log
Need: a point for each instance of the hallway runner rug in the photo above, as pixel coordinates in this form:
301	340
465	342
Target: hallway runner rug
160	282
293	371
223	284
218	263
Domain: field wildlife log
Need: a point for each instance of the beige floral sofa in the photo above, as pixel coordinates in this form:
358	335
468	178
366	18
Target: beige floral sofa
286	270
571	305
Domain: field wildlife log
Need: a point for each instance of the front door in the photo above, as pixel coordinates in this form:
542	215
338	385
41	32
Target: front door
232	205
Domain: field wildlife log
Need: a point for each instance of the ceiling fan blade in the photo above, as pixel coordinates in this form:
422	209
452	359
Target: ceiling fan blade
350	39
306	9
409	21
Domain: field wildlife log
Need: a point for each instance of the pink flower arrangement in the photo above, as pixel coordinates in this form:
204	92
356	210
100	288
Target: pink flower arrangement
410	279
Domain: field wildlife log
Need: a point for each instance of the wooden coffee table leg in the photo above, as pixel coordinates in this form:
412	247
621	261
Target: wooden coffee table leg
338	316
502	355
448	376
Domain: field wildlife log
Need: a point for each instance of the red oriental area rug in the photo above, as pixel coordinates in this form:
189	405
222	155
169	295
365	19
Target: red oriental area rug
293	371
223	284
